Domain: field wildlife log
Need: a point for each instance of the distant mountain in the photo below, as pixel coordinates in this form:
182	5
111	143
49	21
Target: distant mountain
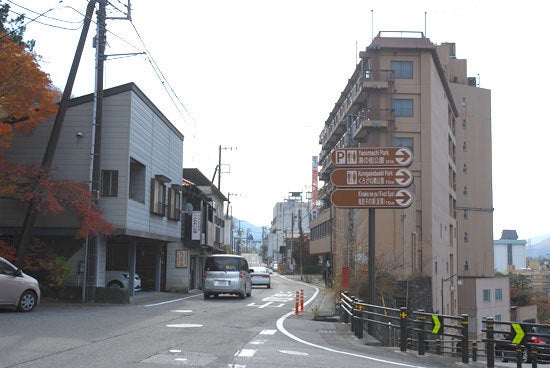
538	246
248	229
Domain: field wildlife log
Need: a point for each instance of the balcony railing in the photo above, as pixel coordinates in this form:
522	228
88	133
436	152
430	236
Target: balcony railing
371	118
372	79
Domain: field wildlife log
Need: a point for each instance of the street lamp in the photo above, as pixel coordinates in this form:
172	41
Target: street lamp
459	282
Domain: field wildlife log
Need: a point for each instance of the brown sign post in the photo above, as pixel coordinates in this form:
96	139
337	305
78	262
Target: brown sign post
371	180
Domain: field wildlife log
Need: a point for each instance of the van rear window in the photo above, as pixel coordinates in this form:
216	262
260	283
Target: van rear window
222	264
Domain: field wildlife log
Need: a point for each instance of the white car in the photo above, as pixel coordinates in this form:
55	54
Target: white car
119	279
17	289
261	276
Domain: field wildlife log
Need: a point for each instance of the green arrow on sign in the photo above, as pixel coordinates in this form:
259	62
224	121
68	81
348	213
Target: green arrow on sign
437	324
519	333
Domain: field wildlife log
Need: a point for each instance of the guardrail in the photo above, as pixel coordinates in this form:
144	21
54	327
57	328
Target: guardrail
444	334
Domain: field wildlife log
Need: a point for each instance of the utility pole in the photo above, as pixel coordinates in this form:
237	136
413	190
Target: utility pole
32	213
301	243
92	255
218	169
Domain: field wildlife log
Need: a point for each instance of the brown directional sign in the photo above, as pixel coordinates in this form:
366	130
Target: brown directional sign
371	198
386	177
372	156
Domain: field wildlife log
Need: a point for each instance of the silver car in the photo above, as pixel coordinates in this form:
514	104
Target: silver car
226	274
17	289
261	276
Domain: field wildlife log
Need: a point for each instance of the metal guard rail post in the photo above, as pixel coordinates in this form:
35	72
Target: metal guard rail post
403	326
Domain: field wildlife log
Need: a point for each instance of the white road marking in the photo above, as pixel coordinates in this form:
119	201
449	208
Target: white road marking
268	332
261	306
171	301
257	342
175	350
291	352
181	311
184	325
246	353
180	359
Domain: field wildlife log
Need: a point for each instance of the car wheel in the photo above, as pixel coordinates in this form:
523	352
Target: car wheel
249	294
27	302
115	284
206	296
269	286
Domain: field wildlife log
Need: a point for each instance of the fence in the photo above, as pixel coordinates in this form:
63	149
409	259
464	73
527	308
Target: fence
444	334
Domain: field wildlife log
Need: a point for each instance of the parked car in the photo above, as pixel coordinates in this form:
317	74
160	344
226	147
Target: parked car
226	274
17	289
119	279
261	276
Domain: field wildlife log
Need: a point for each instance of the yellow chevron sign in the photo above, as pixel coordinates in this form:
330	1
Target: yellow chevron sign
519	333
437	324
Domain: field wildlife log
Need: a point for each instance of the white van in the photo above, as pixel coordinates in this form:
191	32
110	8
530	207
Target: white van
226	274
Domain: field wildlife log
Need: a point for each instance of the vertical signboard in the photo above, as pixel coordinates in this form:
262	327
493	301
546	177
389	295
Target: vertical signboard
196	225
314	183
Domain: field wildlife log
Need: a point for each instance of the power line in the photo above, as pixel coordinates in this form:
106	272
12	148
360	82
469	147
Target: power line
43	15
168	88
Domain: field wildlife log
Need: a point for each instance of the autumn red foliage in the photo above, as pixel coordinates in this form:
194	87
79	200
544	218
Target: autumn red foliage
27	183
26	94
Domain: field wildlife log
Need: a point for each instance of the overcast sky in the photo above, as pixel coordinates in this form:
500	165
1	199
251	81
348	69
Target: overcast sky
261	77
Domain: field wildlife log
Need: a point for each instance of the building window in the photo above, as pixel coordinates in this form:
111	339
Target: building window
465	191
464	147
486	295
404	142
466	268
158	195
109	183
174	202
498	295
465	169
466	237
402	69
464	124
136	184
466	215
402	107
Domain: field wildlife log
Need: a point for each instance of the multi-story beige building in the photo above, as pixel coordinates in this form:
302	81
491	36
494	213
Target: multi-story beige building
408	92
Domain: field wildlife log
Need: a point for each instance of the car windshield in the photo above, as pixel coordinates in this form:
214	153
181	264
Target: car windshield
222	264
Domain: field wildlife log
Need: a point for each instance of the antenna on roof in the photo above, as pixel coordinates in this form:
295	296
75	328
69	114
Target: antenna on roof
372	24
425	32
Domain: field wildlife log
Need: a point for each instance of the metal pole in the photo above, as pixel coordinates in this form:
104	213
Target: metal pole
93	250
219	167
371	263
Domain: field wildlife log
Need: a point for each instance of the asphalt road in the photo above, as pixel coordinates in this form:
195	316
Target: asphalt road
167	330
